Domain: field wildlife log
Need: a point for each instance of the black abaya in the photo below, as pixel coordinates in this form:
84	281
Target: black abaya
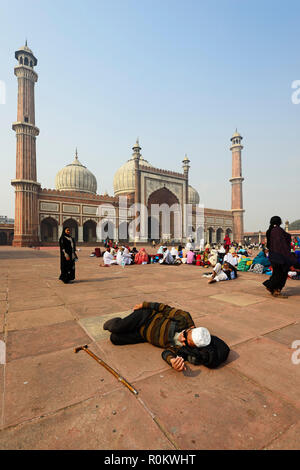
67	267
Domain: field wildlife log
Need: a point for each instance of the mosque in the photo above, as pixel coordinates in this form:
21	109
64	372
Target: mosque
41	214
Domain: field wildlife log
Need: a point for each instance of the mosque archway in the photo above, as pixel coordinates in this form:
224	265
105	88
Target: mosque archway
211	233
73	226
3	238
164	215
89	231
10	238
219	235
49	230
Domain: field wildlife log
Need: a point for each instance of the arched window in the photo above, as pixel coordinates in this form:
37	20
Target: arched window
31	63
21	60
26	61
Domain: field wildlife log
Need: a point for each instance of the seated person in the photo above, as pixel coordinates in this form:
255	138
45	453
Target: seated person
127	256
213	257
206	255
174	252
226	273
120	256
199	261
190	257
172	329
184	256
141	257
262	259
167	257
232	258
108	258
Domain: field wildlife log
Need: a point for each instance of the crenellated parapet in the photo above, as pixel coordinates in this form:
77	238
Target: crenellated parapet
161	172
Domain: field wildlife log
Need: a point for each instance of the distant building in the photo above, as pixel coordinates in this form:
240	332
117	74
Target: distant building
6	230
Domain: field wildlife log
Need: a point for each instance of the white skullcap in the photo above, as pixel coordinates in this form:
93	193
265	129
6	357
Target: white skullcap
201	336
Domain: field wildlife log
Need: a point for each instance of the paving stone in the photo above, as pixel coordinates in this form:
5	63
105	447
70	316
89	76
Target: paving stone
216	409
45	339
288	440
286	335
270	364
33	303
238	299
135	362
36	386
18	320
102	423
94	325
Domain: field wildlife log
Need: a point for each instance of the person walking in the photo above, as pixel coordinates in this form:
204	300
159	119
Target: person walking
280	256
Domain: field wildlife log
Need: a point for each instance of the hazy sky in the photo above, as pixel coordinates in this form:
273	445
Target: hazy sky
181	75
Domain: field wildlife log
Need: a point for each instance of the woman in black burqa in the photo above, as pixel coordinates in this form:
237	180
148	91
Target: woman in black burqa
67	256
280	256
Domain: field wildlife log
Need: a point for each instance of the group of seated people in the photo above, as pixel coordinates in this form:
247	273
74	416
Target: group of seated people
124	256
172	256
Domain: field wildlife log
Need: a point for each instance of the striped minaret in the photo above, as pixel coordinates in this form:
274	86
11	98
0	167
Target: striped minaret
25	183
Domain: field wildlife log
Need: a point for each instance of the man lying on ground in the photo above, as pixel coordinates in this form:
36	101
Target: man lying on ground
172	329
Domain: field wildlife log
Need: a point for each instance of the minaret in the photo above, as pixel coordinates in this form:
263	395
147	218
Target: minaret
137	194
237	188
136	157
25	184
186	222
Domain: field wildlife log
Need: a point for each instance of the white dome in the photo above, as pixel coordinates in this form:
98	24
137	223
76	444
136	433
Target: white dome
76	177
124	179
194	197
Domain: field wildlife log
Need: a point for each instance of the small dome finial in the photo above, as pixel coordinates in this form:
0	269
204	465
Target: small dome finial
76	154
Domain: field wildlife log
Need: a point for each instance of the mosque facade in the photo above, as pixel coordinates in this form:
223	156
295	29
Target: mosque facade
41	214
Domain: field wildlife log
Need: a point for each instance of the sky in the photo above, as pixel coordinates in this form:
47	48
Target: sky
180	75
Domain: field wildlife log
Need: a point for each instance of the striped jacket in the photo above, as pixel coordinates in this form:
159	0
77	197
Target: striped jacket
162	324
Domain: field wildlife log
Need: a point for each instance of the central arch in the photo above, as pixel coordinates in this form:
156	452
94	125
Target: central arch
163	222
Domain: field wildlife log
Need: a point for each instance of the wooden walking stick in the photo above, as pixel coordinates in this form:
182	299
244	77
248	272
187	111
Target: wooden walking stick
107	367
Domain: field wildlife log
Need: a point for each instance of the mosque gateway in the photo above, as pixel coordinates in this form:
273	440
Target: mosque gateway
41	214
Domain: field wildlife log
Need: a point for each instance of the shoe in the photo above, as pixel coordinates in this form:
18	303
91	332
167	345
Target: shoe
279	295
110	323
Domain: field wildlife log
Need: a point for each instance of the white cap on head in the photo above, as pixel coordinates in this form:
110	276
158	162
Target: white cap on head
201	336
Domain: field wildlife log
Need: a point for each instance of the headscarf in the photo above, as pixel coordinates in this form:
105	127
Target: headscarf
141	257
275	221
70	239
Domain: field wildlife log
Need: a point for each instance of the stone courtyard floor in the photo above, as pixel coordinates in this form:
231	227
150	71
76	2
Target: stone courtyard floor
52	398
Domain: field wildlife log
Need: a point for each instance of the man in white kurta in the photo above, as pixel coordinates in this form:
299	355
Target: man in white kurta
108	258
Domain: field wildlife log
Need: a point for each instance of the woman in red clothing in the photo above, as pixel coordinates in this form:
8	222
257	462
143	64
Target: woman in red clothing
141	257
227	241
